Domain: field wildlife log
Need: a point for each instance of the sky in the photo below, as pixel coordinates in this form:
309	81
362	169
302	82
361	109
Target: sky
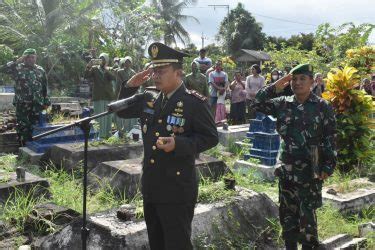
279	17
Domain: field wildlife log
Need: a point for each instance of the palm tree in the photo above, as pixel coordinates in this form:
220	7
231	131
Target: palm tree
170	12
33	22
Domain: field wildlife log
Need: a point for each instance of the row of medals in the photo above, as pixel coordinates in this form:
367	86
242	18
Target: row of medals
175	122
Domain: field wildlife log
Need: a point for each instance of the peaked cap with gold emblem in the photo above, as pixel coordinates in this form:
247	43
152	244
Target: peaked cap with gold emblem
162	55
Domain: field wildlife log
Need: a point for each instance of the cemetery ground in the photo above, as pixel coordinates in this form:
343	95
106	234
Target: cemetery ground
21	225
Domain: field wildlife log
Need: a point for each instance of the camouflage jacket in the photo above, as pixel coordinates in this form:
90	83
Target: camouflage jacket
31	83
301	126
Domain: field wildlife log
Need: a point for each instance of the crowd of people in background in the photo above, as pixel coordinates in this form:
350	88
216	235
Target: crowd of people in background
230	100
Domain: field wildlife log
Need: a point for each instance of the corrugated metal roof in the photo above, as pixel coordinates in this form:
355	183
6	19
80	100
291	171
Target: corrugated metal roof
253	56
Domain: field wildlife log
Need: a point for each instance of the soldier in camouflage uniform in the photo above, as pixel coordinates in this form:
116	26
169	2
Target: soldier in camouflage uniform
30	92
307	125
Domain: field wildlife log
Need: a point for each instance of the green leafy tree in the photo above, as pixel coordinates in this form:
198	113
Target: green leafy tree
170	11
32	23
287	56
239	30
302	41
132	25
332	43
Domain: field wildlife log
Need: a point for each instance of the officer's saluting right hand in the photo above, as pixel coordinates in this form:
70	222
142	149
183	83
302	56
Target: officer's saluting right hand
282	83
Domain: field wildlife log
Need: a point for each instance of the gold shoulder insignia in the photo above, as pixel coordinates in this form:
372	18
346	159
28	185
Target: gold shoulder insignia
197	94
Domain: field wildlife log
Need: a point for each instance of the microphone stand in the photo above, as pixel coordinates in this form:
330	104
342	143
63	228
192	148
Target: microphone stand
84	124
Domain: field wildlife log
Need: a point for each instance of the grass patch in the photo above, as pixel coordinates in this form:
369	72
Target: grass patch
59	118
210	191
113	140
343	182
8	162
18	206
67	189
331	222
250	179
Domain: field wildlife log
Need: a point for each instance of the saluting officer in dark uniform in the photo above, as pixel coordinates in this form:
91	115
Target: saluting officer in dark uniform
176	125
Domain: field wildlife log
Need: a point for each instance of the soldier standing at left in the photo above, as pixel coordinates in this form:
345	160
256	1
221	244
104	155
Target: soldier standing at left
30	92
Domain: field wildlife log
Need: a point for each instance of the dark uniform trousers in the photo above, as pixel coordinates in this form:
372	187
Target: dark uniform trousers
169	183
169	225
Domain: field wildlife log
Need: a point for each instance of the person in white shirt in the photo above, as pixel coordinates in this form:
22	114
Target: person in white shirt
217	82
254	83
204	62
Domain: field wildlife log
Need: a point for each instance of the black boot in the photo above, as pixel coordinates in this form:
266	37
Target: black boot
290	245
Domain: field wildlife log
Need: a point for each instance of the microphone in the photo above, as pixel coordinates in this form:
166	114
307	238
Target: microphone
124	103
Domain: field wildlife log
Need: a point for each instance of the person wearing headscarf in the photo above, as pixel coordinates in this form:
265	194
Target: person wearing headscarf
124	73
102	91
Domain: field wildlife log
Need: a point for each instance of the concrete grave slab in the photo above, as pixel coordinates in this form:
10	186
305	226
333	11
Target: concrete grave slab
9	185
30	156
366	228
9	142
263	171
6	100
351	202
108	232
124	176
69	155
234	133
210	167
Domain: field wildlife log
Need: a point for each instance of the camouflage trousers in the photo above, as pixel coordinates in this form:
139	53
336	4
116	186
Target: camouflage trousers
298	203
27	116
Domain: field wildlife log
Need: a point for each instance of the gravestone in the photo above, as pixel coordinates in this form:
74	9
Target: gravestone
69	135
353	201
124	176
9	142
247	210
9	185
68	156
234	133
265	140
6	100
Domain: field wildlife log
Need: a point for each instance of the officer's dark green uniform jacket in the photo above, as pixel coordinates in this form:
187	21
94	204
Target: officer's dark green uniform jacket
171	177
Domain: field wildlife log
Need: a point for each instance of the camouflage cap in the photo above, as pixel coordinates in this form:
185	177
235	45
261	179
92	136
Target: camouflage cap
305	69
29	51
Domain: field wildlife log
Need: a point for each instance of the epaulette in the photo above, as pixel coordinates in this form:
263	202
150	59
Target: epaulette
196	94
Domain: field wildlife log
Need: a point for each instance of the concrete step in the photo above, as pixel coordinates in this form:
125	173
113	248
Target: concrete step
354	244
336	241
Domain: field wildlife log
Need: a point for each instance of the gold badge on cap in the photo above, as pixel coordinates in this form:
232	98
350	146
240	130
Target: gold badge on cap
154	51
310	68
180	104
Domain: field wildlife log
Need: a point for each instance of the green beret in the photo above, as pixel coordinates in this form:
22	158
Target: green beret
305	69
29	52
